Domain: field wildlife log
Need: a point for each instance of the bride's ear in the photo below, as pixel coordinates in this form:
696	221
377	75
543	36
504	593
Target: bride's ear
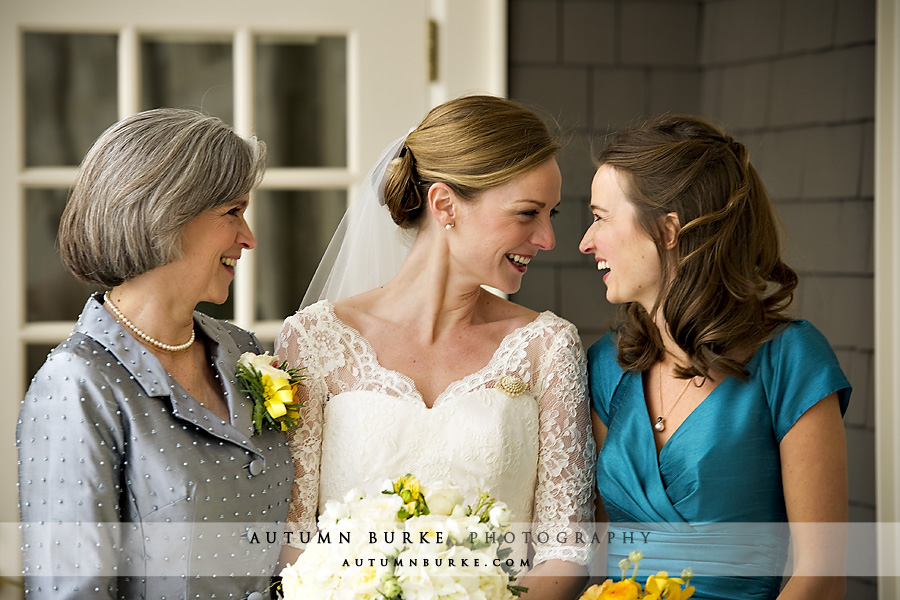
441	204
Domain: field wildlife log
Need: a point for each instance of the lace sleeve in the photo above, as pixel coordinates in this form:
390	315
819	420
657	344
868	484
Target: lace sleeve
294	345
563	502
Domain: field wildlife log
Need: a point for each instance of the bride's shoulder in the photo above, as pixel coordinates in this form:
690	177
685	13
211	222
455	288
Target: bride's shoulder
357	311
313	311
310	317
521	317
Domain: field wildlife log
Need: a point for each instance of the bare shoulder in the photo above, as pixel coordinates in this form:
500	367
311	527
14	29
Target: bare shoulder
511	316
356	311
495	309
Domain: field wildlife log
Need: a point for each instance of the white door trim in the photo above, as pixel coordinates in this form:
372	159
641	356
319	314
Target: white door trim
887	293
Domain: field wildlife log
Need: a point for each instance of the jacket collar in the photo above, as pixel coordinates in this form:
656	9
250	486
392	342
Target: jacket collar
148	373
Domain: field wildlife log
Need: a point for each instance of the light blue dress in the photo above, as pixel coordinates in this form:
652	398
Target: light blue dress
690	505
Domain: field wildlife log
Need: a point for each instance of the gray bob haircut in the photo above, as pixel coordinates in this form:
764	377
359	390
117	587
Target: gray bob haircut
142	181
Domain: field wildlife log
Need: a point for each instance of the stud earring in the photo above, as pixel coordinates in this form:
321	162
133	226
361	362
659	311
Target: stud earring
449	226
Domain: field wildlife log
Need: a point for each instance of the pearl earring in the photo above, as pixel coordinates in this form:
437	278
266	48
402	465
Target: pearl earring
448	226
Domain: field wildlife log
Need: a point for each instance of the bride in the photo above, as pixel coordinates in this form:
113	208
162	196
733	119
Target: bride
421	370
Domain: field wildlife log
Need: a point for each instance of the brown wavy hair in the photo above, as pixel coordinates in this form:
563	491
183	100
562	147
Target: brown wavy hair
725	289
471	143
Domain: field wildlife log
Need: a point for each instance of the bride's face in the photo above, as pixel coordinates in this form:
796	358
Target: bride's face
499	233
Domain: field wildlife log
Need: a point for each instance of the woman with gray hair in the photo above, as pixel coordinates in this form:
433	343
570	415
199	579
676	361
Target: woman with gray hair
140	475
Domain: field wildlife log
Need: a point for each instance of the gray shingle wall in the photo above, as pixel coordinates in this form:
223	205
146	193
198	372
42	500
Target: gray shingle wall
793	79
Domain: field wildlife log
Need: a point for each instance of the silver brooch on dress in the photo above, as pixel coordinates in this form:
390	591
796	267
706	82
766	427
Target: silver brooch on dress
511	385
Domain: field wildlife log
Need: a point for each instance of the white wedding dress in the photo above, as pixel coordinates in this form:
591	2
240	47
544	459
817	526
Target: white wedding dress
363	424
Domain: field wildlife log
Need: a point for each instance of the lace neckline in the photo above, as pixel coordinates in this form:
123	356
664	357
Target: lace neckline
508	340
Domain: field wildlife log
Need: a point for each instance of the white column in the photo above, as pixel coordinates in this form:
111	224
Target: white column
887	291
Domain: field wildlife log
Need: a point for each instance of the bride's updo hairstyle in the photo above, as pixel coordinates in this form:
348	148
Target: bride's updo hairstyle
725	289
471	144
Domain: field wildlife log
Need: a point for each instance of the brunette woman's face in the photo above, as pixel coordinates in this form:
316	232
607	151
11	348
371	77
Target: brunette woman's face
626	255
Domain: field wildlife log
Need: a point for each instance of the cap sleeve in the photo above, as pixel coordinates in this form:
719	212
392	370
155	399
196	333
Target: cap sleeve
799	368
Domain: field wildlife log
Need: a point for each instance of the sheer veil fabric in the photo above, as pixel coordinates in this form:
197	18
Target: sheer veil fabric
367	248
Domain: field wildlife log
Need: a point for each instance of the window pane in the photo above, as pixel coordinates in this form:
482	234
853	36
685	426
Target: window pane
292	229
70	95
188	72
301	100
52	293
35	355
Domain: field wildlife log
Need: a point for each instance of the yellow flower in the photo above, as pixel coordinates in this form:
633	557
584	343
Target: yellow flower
414	487
627	589
272	389
593	592
278	393
662	586
410	491
409	488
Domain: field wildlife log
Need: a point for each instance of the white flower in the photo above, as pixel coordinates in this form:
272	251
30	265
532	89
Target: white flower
458	529
354	495
334	512
290	580
437	580
478	532
442	497
438	556
430	532
314	575
378	509
500	515
264	363
363	581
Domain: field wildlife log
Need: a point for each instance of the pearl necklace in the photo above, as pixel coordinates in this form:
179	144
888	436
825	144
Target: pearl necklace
153	342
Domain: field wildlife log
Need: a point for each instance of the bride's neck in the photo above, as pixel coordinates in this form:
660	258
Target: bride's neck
425	288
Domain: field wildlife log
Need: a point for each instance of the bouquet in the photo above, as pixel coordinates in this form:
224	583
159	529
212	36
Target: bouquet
406	543
272	388
657	587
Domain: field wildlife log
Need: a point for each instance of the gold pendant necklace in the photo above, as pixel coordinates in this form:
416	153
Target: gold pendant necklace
660	424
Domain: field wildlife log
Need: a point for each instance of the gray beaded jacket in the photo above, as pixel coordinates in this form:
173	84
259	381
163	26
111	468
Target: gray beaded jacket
129	488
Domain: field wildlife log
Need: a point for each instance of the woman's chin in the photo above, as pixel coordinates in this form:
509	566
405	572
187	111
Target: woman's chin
218	298
507	288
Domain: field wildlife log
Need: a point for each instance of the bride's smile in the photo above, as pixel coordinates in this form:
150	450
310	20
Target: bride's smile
511	223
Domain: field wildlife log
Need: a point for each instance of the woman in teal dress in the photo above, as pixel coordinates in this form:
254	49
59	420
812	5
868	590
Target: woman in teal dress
719	417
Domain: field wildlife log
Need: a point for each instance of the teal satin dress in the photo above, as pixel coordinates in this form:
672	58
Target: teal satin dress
712	499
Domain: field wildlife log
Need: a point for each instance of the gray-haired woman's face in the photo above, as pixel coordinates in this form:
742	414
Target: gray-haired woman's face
212	243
